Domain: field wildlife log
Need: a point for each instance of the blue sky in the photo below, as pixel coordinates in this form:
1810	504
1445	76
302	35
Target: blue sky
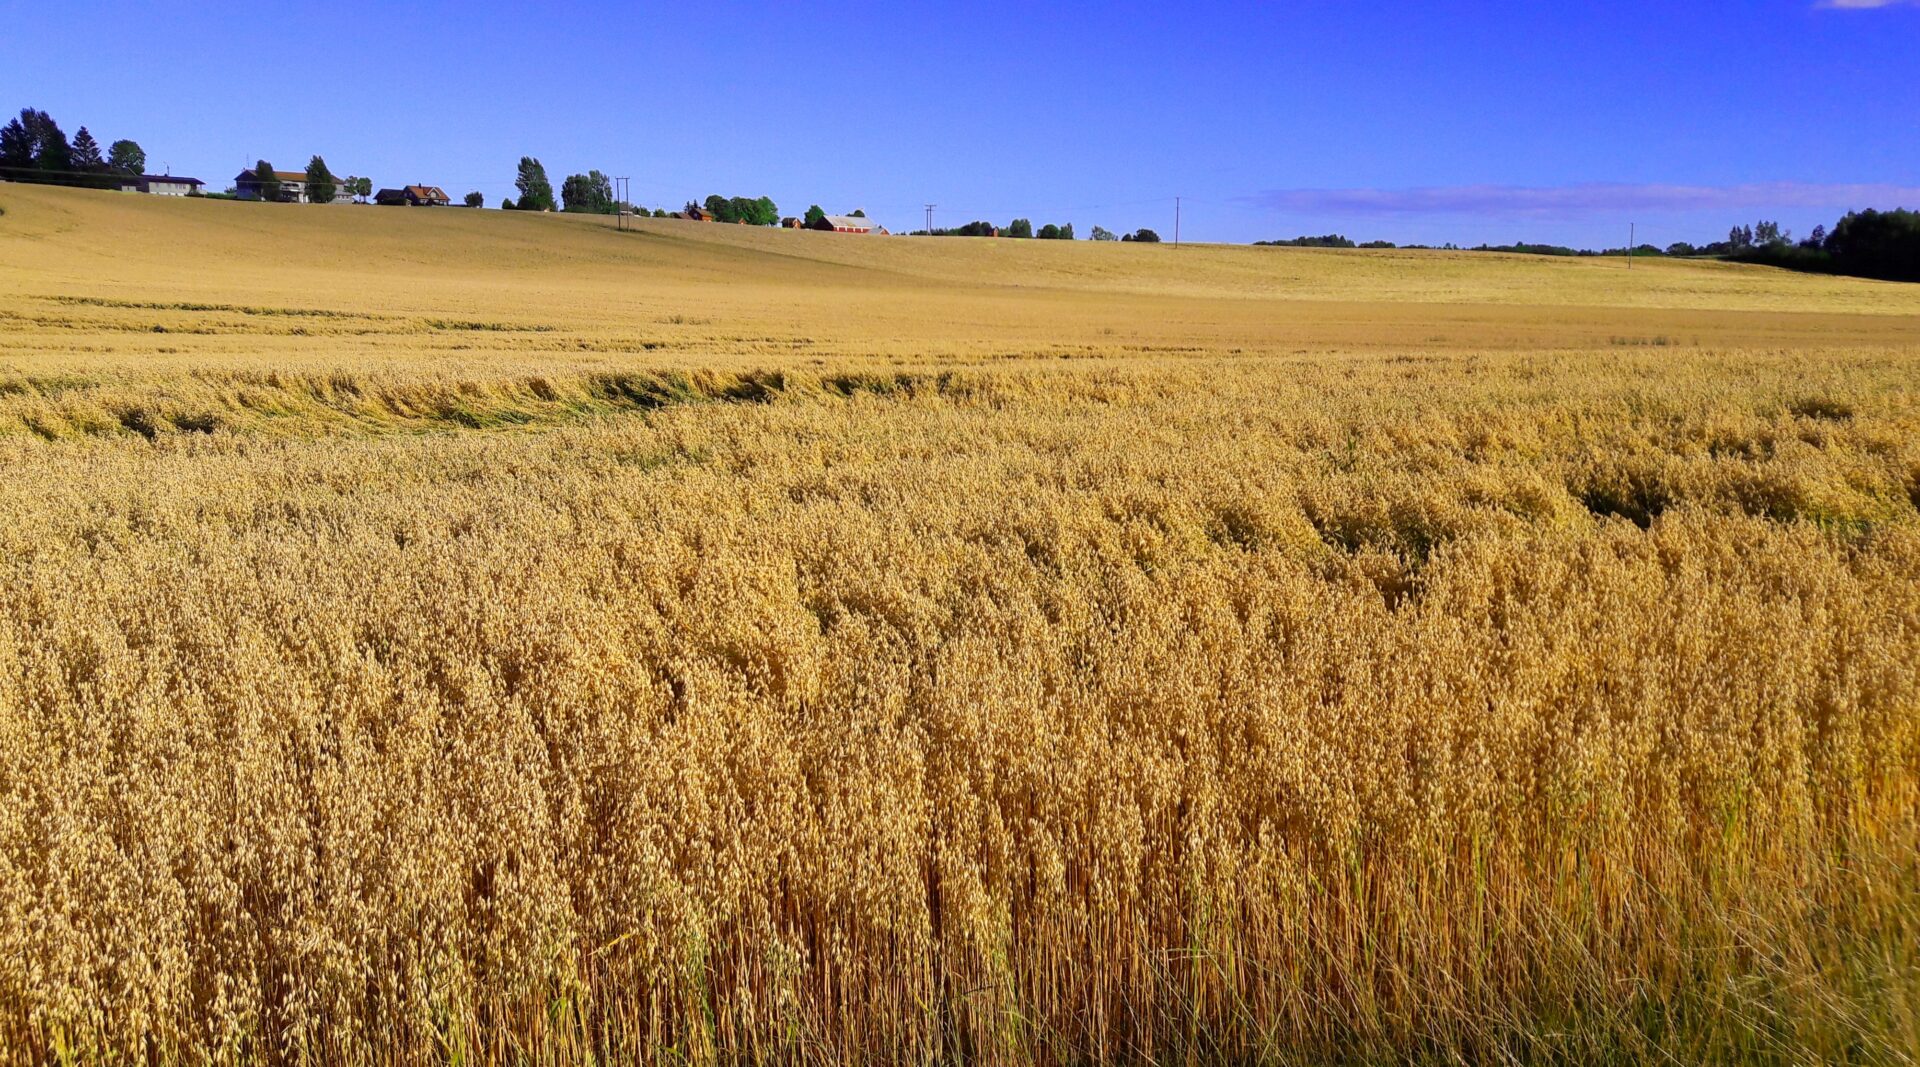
1429	122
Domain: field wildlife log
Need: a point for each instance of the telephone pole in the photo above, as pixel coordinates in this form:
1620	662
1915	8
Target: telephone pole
1176	222
621	207
930	208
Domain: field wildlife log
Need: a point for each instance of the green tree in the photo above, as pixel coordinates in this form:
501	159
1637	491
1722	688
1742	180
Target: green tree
719	207
363	188
857	213
1101	233
766	212
1049	232
85	153
16	145
1143	236
536	192
1877	244
1066	231
1018	228
659	213
265	183
814	214
126	157
474	199
51	153
589	193
322	186
506	203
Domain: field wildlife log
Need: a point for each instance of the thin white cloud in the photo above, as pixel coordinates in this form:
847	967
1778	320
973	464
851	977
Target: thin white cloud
1862	5
1579	201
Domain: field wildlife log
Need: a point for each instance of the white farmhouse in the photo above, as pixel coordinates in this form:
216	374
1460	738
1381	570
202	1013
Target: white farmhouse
161	184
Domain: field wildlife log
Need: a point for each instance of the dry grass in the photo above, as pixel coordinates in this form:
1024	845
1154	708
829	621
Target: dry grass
479	637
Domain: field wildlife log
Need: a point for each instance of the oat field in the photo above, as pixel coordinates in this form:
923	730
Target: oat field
452	636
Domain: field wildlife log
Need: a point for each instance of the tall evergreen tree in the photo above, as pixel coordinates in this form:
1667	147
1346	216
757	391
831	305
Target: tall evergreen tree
322	186
16	145
85	153
536	192
127	157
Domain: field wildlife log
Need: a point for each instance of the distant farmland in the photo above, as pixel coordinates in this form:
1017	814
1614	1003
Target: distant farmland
436	635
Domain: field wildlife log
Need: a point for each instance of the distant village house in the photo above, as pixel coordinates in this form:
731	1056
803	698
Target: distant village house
161	185
293	188
413	196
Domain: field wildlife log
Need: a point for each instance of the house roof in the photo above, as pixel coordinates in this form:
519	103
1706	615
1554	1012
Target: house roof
283	175
849	222
170	178
427	192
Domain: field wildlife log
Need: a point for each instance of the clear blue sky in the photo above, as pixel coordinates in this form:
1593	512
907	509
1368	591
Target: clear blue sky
1432	122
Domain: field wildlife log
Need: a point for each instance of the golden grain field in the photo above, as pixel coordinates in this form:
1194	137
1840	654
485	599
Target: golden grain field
446	636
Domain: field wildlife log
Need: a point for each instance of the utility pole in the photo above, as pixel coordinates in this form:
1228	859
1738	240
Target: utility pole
620	205
930	208
1176	222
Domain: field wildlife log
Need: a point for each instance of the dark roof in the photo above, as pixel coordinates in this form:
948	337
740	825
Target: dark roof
170	178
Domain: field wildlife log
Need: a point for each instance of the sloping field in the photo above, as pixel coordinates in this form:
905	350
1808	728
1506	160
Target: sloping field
463	636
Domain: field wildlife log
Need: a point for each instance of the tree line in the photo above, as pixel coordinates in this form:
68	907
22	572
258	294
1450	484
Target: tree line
1866	244
1023	229
33	148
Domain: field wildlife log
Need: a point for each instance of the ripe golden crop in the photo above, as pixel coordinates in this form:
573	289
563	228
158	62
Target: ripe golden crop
434	636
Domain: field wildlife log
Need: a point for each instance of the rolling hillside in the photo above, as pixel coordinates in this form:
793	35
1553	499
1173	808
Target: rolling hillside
443	636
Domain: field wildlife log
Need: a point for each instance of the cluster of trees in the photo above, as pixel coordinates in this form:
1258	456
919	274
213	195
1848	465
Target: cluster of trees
590	193
750	211
1332	240
536	192
1868	244
976	228
1018	228
1865	244
33	148
1141	236
1023	228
